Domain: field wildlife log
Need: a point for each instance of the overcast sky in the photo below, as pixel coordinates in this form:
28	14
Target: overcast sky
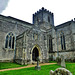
3	5
64	10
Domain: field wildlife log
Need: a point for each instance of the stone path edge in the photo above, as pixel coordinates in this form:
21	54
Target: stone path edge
25	67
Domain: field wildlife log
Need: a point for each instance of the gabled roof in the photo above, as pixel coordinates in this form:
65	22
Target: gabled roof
9	17
19	20
63	25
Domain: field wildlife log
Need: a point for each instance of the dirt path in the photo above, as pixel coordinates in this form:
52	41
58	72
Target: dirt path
25	67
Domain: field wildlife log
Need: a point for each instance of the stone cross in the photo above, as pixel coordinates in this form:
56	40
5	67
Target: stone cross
37	61
37	67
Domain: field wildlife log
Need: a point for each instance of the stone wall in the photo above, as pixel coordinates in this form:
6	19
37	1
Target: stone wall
68	30
67	33
7	25
37	35
32	39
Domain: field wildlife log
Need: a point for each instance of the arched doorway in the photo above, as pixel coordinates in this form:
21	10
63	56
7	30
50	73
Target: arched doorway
35	54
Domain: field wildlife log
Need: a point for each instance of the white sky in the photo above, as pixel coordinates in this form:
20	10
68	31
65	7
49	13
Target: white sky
64	10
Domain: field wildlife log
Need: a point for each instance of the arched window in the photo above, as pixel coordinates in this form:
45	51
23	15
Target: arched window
48	19
63	46
6	43
37	19
9	41
13	42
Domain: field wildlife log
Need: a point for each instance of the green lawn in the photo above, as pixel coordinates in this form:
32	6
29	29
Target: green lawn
52	62
71	67
5	65
44	70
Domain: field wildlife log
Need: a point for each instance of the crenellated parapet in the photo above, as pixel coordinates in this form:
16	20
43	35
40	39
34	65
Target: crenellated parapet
43	16
42	10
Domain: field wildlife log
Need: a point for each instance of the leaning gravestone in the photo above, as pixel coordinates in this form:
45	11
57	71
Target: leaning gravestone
60	71
37	67
63	61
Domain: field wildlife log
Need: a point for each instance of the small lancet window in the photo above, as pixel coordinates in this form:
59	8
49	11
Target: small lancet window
6	43
48	19
13	43
9	43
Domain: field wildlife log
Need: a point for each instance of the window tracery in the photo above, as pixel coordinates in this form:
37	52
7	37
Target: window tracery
9	43
63	46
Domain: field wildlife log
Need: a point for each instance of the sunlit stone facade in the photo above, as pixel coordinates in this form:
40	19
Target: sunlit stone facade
23	42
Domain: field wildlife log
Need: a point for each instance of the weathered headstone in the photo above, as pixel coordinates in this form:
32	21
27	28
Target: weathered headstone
63	61
37	67
58	59
60	71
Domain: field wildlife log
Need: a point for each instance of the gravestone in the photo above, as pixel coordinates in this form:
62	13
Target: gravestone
63	61
58	59
60	71
37	67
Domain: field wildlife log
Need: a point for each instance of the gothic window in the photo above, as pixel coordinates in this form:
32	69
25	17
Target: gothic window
13	43
9	41
63	46
6	43
50	44
48	19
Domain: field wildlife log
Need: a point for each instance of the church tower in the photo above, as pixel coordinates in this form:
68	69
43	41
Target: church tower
43	16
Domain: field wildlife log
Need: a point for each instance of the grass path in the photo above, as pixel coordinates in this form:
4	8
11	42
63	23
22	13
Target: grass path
25	67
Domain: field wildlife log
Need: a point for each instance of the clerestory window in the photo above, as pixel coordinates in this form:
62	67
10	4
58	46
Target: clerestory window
9	43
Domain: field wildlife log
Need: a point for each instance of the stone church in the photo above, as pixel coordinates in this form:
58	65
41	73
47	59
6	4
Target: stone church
23	42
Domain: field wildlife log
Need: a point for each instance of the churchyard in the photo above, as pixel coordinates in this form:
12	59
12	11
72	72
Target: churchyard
45	69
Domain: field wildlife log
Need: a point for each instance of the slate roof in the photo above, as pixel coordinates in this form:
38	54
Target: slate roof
9	17
63	25
19	20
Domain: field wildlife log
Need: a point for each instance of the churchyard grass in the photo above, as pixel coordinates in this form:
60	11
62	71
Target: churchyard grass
52	62
4	65
71	67
31	71
44	70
